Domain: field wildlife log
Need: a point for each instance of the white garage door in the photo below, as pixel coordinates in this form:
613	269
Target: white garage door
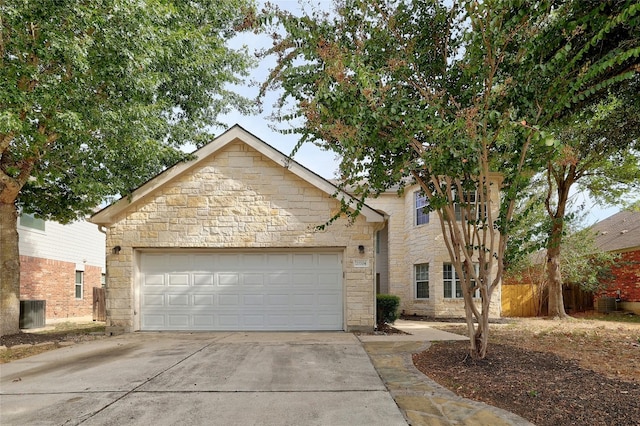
241	291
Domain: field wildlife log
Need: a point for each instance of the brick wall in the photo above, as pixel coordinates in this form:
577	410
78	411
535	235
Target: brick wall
627	277
54	281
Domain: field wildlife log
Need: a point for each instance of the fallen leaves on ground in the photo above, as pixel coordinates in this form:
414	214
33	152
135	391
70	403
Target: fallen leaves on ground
550	372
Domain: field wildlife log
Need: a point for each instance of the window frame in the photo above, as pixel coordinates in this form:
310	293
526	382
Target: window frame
29	221
420	216
419	278
454	283
79	285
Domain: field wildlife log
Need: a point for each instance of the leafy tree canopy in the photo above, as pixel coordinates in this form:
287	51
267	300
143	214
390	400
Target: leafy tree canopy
445	94
95	96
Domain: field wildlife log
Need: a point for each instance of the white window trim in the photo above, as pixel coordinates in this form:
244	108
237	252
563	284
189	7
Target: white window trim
455	280
417	214
416	281
79	284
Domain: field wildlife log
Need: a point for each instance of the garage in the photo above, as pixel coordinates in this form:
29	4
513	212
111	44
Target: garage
240	237
252	290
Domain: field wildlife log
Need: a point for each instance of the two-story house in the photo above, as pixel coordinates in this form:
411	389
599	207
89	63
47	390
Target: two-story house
412	261
230	241
60	264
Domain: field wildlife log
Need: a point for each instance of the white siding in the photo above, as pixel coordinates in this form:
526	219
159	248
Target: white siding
78	242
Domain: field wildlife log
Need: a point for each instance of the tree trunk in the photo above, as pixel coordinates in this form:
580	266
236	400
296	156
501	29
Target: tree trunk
554	277
9	270
478	333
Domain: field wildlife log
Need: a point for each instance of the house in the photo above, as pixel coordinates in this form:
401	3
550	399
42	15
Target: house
620	234
60	264
230	241
412	260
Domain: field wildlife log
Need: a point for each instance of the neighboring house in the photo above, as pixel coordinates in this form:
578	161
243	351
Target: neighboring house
229	241
620	234
60	264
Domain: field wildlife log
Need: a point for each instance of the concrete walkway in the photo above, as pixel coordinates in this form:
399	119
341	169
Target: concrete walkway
421	400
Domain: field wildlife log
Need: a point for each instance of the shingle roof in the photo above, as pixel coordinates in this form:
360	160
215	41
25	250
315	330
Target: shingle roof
620	232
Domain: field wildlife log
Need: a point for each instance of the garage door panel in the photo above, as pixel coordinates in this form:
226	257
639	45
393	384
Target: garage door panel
303	299
278	300
153	280
178	320
241	291
153	300
329	259
205	321
153	321
228	279
306	260
178	300
178	280
283	260
207	300
305	278
253	300
203	280
229	300
279	278
253	279
229	321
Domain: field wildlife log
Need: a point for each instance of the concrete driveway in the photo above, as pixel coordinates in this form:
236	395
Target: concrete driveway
199	378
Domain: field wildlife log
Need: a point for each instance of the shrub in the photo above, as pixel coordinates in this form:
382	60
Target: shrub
387	308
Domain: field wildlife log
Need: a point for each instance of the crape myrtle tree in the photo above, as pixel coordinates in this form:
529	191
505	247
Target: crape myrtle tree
443	95
96	97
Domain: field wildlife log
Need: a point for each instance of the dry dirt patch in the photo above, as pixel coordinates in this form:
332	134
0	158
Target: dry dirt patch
29	343
548	371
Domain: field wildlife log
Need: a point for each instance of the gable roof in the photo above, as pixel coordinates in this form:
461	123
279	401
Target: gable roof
620	232
107	215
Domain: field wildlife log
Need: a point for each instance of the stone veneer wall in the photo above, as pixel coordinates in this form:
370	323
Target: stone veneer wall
411	244
238	199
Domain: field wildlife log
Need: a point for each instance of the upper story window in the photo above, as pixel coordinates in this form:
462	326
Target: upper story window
470	198
421	201
452	284
421	274
30	221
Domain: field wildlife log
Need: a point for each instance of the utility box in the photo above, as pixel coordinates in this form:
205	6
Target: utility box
33	313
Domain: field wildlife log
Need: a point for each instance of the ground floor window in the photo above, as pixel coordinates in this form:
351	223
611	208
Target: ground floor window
452	284
422	280
79	284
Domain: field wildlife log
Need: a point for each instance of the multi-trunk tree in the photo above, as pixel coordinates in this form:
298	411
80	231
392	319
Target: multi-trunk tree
96	97
446	95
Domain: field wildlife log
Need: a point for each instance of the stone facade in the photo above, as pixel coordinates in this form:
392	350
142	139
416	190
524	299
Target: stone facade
410	244
235	198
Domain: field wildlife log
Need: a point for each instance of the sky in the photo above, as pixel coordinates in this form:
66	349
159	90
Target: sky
321	162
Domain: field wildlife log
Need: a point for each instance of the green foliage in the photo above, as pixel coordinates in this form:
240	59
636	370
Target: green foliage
96	97
583	264
387	308
444	95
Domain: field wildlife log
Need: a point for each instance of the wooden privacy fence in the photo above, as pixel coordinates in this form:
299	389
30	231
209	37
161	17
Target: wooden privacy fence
519	300
99	304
